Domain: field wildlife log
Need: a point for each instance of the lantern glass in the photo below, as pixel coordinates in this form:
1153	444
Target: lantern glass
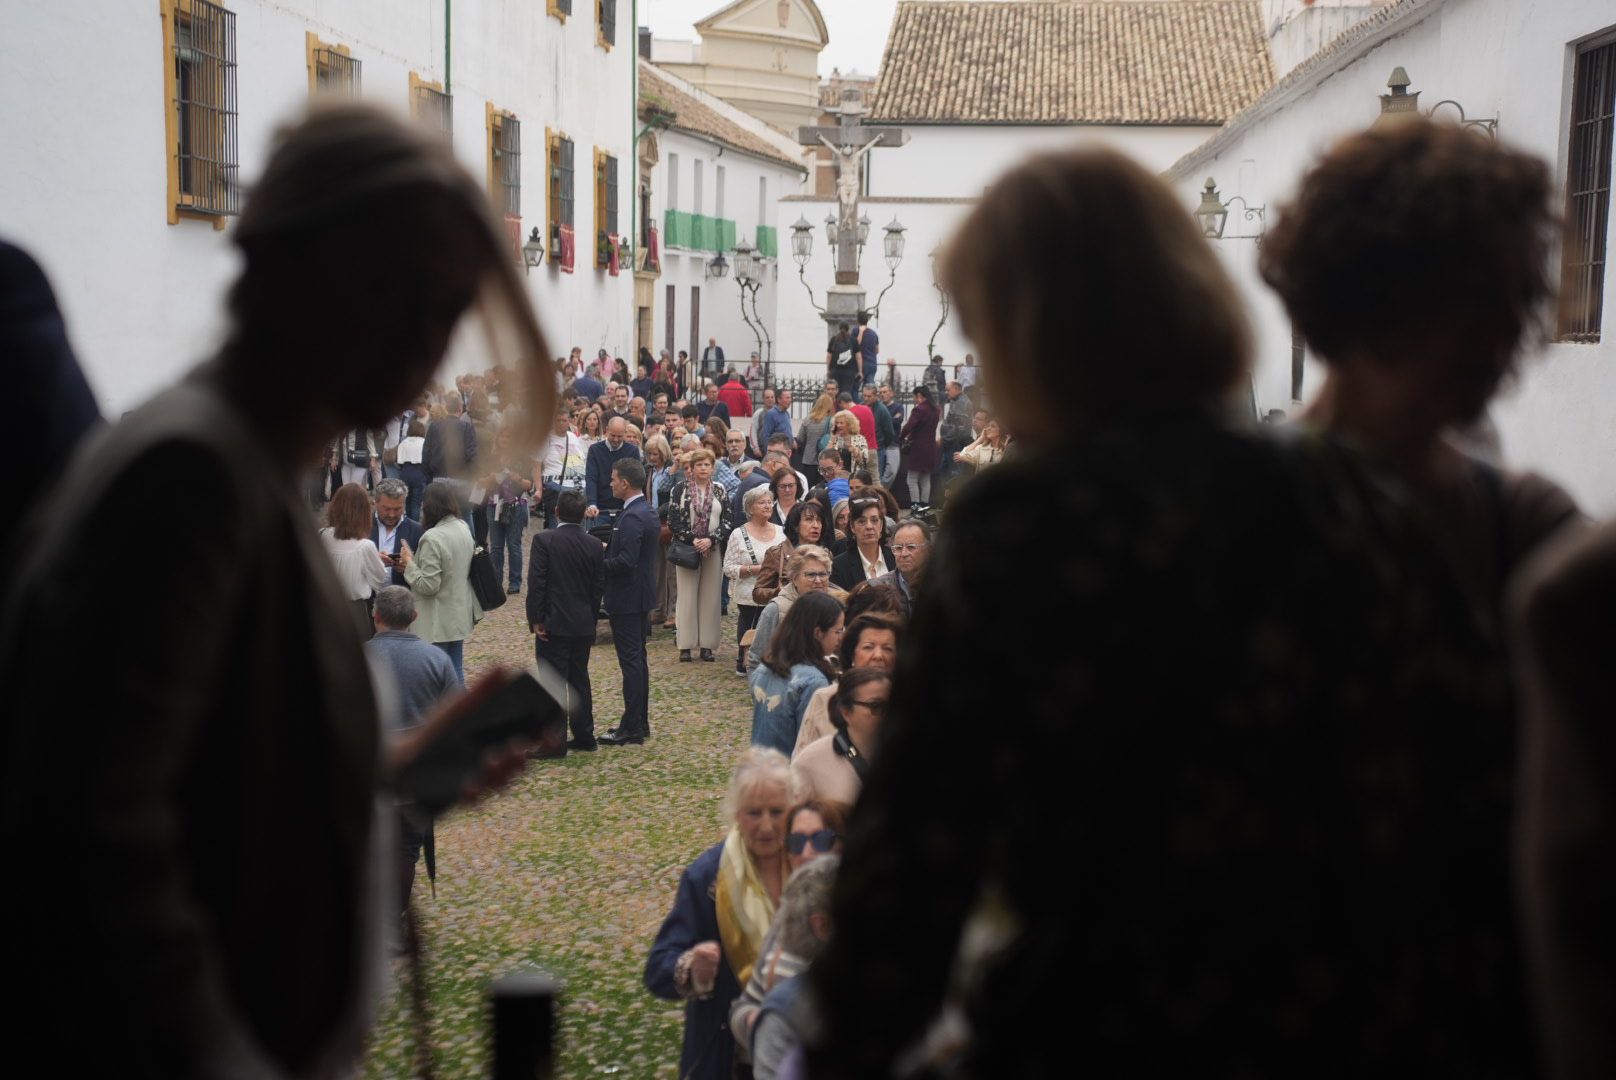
830	229
1212	214
533	250
893	244
863	228
718	267
745	263
802	241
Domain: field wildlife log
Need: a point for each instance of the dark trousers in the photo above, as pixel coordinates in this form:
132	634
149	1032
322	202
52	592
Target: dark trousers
628	635
570	657
411	837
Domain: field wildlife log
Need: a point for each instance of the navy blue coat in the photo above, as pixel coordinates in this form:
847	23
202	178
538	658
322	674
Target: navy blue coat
709	1048
409	531
631	558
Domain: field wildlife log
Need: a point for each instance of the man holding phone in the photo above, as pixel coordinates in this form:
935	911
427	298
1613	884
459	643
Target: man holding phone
391	530
631	577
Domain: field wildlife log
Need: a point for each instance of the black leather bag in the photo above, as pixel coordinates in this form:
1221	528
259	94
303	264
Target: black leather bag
684	554
484	581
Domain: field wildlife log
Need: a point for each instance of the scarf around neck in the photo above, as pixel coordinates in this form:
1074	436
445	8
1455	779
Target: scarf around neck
744	908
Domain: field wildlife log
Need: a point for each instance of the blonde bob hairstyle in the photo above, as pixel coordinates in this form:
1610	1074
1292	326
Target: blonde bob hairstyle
1086	285
824	405
698	456
758	766
850	422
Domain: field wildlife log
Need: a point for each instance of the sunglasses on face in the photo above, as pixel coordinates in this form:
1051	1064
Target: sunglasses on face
822	841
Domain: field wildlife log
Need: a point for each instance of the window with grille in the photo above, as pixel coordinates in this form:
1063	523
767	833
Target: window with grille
1588	191
559	8
561	190
505	160
608	22
605	206
331	69
202	122
430	105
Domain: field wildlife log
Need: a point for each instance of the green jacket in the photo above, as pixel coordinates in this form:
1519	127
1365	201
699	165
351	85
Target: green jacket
439	575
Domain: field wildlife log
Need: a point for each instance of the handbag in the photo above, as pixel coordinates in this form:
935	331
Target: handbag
484	581
682	553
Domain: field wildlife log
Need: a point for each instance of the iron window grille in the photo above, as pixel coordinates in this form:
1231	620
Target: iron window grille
335	72
1588	192
435	107
608	21
609	167
508	160
561	193
564	6
205	103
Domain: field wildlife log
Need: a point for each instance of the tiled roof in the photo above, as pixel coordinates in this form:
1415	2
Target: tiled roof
1072	62
707	118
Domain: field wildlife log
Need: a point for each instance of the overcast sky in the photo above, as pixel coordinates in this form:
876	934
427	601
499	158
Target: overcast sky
858	28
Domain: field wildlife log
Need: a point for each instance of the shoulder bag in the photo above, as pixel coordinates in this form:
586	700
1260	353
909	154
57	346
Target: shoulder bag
484	581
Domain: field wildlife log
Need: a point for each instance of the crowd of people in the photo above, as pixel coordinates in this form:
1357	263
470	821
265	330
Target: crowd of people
1164	738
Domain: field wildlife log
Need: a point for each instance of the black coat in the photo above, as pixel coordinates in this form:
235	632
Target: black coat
848	569
631	558
409	531
566	580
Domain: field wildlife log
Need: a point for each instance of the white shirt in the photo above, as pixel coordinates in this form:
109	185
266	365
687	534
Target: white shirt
967	376
564	460
387	535
360	570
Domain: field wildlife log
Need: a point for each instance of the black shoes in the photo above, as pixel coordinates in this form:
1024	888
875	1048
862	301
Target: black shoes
707	656
617	738
584	747
685	657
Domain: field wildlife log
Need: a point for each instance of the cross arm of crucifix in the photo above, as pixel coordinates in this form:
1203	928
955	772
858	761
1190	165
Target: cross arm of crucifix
853	154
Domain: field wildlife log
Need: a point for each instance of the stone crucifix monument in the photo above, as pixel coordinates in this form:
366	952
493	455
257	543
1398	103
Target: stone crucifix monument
850	140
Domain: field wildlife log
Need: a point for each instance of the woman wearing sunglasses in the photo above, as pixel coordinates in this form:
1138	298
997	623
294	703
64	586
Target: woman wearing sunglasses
833	767
813	828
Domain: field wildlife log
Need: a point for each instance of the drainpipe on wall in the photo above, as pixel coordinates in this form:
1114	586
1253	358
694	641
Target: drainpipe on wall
448	16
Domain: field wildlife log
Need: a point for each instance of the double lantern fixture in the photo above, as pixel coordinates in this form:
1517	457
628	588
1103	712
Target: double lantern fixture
892	241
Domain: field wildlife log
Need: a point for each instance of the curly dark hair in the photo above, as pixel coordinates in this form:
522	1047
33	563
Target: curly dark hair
1407	224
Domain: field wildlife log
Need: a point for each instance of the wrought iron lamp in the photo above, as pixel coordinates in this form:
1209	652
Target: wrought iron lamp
717	266
1213	214
892	249
532	251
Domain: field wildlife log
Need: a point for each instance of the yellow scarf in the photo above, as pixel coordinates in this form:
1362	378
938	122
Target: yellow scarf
744	908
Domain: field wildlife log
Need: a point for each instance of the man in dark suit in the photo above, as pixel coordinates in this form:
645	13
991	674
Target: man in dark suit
631	577
566	578
390	528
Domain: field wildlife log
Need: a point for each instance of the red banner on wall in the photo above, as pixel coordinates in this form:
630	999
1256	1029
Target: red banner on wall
613	260
565	249
513	234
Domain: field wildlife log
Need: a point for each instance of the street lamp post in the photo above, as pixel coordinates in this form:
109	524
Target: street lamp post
1213	214
892	251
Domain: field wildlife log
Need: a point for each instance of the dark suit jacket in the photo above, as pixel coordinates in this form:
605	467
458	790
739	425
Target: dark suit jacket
631	558
848	569
409	531
566	578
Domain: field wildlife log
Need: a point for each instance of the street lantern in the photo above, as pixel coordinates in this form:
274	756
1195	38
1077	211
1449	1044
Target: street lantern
863	229
717	267
1399	100
893	244
745	263
830	229
533	250
802	241
1212	214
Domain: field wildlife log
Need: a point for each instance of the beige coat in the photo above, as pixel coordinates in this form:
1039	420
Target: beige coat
439	576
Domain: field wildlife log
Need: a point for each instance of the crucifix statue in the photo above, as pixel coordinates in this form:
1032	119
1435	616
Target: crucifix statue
849	141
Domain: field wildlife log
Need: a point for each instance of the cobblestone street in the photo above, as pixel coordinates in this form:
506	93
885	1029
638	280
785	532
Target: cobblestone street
573	868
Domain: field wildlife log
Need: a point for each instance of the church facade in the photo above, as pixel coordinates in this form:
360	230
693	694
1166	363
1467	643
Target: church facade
762	56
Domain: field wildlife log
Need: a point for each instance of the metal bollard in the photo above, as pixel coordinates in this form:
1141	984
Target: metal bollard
524	1016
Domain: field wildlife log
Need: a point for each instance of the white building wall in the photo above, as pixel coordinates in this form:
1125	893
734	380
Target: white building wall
88	195
1499	59
958	161
719	314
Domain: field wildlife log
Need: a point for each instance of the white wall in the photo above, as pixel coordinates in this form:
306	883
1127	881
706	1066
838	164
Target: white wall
1497	58
958	161
720	306
85	182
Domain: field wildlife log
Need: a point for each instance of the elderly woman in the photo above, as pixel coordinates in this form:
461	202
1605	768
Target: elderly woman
713	937
919	442
1281	759
659	479
871	641
833	766
868	556
844	434
743	561
807	569
359	566
438	574
803	525
988	449
798	661
698	518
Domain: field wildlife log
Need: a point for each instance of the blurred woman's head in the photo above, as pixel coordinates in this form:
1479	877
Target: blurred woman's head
440	502
805	523
657	451
824	405
808	568
870	641
805	909
783	486
1444	236
860	705
348	513
368	334
1061	335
